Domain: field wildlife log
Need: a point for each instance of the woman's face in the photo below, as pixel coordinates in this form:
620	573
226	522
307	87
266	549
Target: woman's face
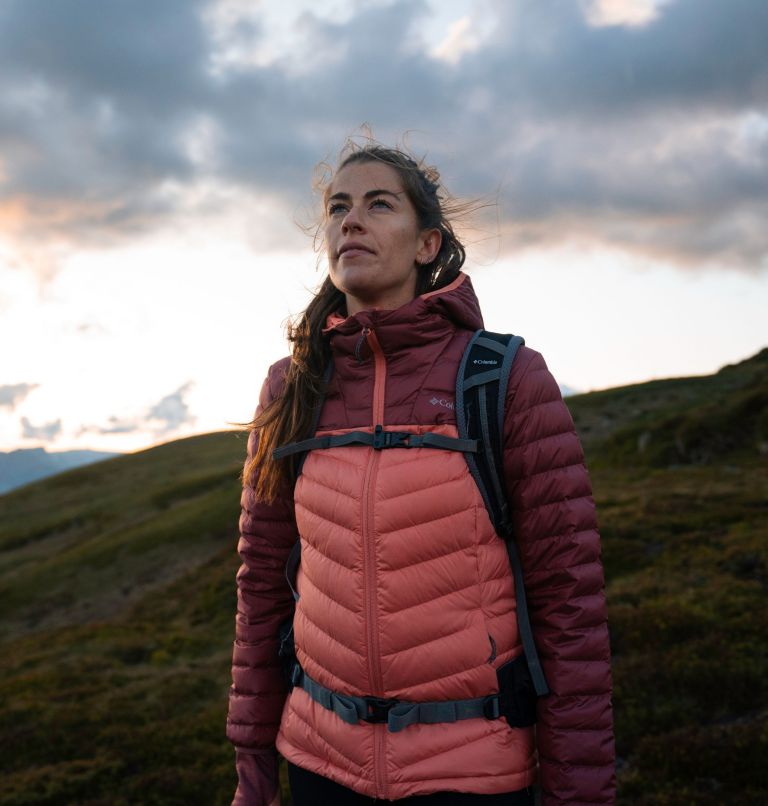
373	237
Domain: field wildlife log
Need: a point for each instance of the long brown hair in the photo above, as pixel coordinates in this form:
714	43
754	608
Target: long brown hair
289	417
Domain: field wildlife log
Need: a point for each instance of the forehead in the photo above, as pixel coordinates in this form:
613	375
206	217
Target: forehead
360	177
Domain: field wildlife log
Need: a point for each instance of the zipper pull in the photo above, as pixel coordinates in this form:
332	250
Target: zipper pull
358	347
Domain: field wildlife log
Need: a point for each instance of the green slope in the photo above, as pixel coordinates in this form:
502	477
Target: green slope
678	420
117	599
117	594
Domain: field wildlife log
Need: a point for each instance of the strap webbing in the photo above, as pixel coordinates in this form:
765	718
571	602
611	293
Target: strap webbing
491	344
524	623
292	567
483	377
397	714
480	403
409	713
379	439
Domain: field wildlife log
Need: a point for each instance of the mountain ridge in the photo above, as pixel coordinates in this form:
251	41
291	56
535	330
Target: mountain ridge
24	465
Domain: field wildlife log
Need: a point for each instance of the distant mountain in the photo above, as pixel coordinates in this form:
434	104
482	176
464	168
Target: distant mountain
29	464
568	391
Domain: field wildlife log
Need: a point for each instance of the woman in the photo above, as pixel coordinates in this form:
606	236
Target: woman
405	591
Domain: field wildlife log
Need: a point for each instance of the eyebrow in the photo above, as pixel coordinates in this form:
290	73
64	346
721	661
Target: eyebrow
367	195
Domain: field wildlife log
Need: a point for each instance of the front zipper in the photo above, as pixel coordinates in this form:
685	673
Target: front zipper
359	345
369	562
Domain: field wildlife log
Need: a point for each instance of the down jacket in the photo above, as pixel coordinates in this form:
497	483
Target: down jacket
405	589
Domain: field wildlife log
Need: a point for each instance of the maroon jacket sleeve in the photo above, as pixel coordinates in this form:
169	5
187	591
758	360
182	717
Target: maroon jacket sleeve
264	600
556	532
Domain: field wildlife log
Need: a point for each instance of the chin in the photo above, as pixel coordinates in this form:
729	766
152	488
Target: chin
356	280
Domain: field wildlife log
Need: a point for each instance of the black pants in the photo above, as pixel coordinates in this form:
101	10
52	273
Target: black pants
310	789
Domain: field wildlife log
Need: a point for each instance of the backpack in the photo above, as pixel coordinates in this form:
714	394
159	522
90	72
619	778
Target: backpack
481	386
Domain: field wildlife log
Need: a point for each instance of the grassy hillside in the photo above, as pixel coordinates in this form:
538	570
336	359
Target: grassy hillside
680	474
117	594
117	600
678	420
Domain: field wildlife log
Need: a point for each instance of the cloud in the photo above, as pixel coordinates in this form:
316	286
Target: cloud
47	432
172	411
12	394
93	101
167	415
116	426
602	13
642	125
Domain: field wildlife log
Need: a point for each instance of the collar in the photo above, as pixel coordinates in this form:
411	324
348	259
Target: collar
427	317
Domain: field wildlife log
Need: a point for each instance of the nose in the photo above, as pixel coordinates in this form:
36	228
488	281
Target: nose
351	221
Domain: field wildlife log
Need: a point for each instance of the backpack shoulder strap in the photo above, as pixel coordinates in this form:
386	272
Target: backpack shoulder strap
481	389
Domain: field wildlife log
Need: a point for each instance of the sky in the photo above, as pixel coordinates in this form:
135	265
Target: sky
157	162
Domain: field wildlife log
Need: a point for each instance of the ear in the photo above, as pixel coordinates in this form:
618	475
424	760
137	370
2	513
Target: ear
429	245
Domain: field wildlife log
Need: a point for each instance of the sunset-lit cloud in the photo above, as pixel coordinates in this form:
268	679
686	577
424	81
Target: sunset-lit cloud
631	13
164	417
156	210
172	411
11	394
595	111
45	432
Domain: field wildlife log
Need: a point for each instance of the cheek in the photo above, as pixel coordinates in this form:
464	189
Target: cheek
407	244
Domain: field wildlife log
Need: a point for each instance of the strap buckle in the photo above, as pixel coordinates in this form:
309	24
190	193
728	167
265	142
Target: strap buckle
491	707
389	439
377	709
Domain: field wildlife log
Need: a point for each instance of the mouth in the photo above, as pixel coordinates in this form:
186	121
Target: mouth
352	249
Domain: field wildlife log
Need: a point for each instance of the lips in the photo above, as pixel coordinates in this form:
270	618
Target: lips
353	248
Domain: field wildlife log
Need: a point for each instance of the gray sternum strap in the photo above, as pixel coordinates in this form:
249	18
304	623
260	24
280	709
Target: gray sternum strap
397	714
378	439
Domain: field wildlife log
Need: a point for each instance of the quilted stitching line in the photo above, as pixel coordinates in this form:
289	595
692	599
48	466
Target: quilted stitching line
435	598
314	483
331	638
425	643
422	490
335	676
337	526
330	598
556	501
570	432
310	549
393	569
328	747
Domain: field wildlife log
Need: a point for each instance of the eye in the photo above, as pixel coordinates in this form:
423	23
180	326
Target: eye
336	207
381	203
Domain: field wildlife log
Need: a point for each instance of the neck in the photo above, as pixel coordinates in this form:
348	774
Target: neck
383	302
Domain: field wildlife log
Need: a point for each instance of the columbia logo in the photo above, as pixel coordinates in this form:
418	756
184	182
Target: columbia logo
484	361
441	401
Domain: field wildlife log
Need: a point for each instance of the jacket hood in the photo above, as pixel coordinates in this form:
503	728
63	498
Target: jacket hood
424	318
